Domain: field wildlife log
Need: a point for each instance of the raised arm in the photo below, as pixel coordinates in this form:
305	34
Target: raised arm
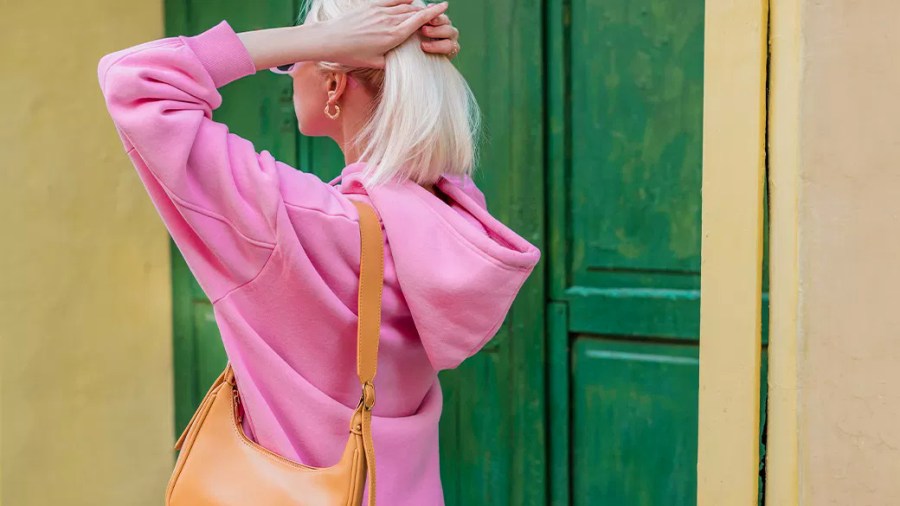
219	198
359	38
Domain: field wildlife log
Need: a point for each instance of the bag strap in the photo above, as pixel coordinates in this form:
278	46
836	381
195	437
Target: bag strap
371	282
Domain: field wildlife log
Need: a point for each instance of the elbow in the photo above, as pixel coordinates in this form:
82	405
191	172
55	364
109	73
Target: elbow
102	68
109	66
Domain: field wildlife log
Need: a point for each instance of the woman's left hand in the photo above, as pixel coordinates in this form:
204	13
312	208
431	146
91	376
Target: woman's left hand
444	37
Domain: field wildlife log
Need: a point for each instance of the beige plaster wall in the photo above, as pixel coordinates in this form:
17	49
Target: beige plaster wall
85	318
849	251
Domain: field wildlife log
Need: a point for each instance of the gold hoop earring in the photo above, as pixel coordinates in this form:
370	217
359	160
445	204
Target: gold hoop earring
337	110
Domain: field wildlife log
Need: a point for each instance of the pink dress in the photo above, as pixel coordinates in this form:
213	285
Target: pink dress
276	250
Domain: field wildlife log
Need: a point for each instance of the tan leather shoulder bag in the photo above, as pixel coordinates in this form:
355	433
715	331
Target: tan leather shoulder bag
220	466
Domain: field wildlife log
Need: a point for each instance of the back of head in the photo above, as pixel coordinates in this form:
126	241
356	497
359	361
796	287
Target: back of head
425	122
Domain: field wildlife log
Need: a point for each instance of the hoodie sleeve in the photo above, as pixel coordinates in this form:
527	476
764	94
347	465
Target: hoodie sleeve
217	196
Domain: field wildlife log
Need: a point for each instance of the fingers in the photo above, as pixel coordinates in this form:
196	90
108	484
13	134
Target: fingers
443	19
444	46
402	9
391	3
415	21
440	32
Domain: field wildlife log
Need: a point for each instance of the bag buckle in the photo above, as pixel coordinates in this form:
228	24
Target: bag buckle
367	398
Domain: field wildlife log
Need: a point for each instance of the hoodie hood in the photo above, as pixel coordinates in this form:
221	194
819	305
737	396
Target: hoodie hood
459	268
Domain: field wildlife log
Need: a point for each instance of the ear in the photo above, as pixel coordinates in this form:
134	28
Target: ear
335	82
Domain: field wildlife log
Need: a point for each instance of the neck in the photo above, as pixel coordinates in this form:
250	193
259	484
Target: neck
349	129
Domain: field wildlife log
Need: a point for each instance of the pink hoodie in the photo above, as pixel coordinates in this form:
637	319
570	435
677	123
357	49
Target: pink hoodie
276	250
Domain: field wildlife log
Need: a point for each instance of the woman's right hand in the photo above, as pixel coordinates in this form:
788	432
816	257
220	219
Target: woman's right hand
362	37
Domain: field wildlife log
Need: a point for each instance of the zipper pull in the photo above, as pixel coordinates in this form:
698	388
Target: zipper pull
238	407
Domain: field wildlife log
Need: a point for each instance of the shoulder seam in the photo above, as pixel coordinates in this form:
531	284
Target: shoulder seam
245	283
206	212
258	273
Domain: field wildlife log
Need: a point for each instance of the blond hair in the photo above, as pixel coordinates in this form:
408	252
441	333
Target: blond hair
426	120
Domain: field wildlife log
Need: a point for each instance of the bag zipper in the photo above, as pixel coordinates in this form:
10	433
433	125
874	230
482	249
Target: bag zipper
238	413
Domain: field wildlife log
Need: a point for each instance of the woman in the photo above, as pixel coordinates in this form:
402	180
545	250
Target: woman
276	250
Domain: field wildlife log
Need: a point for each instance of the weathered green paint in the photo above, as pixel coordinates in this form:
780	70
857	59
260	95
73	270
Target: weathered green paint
642	312
559	405
637	101
558	140
556	254
634	423
639	312
636	117
624	139
493	427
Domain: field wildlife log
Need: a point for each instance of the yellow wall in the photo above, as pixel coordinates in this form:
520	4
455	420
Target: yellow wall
87	410
833	117
835	150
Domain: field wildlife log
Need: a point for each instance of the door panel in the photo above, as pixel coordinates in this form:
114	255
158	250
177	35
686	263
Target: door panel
638	312
634	423
637	96
636	118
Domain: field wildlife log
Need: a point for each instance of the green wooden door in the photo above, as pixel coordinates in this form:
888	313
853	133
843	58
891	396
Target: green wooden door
625	101
625	108
492	428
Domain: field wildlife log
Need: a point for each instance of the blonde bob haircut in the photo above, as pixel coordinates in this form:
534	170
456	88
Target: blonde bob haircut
425	121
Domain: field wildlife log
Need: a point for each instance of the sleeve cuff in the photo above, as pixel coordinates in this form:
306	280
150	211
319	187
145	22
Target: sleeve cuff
222	53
